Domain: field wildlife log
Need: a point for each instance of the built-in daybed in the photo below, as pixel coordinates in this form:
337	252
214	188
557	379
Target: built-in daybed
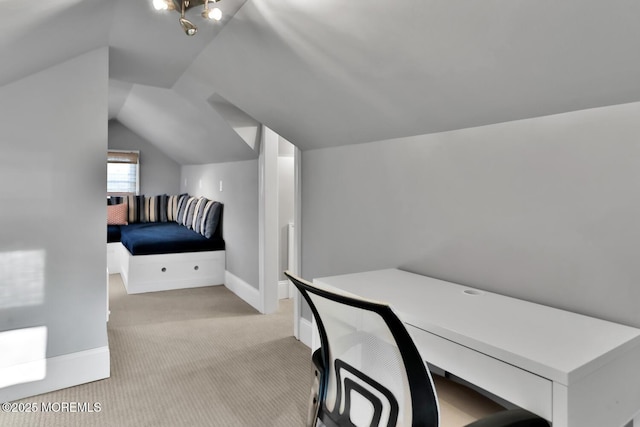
165	242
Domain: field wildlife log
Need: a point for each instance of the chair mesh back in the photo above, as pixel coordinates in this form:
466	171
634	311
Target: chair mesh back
373	374
360	339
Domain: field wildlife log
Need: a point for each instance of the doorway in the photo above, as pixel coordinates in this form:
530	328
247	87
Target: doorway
279	231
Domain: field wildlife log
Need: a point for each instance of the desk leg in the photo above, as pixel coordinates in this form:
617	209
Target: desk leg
560	406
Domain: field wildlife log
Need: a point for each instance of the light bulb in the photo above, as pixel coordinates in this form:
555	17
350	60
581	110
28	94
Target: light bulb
188	27
160	5
215	14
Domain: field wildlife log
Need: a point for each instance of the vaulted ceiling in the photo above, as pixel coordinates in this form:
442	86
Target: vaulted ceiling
332	72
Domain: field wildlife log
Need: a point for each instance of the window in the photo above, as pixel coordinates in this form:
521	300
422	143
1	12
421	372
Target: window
123	172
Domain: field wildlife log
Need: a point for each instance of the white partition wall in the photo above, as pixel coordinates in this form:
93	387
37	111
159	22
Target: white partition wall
53	143
268	228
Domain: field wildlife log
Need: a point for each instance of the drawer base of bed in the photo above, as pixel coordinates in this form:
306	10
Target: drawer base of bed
152	273
114	253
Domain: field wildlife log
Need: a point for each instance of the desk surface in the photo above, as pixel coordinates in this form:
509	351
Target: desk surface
559	345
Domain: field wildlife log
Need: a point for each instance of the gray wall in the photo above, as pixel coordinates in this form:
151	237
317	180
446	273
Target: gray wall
545	209
159	174
240	197
53	140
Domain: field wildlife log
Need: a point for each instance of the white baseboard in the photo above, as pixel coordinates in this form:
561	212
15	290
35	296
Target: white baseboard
64	371
244	290
306	332
283	289
168	285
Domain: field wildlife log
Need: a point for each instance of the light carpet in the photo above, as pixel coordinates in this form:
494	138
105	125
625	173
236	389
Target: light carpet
203	357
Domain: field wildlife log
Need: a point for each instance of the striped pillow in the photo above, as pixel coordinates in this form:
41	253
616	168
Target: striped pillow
182	204
150	208
210	219
144	215
156	208
115	200
199	213
172	207
136	207
162	208
189	211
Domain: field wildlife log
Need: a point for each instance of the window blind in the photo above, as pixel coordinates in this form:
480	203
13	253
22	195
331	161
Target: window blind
122	172
131	157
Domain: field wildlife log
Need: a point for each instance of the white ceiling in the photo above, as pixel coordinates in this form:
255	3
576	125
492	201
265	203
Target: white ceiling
333	72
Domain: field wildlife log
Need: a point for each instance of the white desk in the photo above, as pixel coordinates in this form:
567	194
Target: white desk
574	370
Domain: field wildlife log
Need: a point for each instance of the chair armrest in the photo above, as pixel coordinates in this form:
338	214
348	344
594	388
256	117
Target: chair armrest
511	418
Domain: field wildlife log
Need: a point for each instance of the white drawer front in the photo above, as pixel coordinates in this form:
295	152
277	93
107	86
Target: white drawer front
520	387
173	270
148	273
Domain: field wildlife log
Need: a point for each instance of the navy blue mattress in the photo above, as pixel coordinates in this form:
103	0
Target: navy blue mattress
154	238
113	233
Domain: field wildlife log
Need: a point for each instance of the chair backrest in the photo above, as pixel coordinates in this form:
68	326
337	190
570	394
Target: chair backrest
372	373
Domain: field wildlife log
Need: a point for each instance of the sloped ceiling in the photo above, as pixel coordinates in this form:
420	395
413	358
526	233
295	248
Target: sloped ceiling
333	72
36	36
148	52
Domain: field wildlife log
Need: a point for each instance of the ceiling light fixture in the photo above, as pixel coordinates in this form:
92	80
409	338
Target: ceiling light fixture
182	6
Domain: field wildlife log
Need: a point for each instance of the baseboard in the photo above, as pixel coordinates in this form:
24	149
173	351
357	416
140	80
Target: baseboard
243	290
169	285
283	289
306	332
64	371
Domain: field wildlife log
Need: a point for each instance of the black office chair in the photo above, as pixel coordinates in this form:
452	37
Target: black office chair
368	371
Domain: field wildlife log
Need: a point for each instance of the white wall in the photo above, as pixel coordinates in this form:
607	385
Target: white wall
159	174
53	143
240	215
285	202
545	209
